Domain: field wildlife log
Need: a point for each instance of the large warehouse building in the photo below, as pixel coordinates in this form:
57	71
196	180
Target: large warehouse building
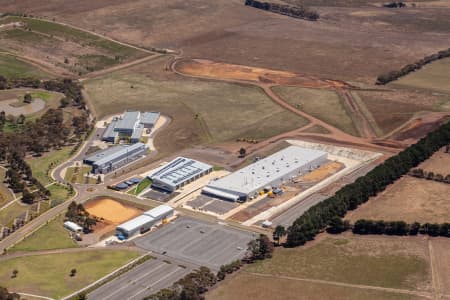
130	126
269	172
145	222
110	159
178	173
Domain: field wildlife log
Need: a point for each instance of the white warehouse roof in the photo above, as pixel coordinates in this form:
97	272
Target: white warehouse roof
135	223
159	211
261	173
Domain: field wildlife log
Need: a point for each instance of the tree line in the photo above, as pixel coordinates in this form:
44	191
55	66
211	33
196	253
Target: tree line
394	75
428	175
71	89
363	226
299	12
318	217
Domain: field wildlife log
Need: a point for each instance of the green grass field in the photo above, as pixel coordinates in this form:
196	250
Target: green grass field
431	77
247	286
386	262
8	214
50	236
59	193
5	194
78	175
145	183
322	104
11	67
48	275
215	111
41	165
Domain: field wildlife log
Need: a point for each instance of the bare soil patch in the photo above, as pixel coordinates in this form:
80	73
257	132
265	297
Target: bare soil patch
217	70
409	199
322	172
111	210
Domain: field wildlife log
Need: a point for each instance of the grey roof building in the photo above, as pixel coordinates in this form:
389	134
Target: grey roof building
269	172
178	173
128	123
131	125
149	119
110	159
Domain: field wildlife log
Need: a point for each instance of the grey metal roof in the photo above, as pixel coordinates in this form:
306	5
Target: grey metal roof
105	156
150	117
128	121
109	131
137	133
122	150
96	156
159	211
179	170
136	223
261	173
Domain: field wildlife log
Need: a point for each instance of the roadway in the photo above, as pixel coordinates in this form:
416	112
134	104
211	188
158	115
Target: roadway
143	280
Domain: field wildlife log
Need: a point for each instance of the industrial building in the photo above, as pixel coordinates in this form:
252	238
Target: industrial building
130	126
144	222
178	173
160	213
110	159
266	173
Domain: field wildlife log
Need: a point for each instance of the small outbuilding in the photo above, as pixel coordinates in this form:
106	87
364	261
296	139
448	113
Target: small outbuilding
73	226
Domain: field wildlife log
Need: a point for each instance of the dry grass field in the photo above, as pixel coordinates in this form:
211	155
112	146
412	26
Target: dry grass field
201	111
431	77
339	267
249	286
409	199
63	48
394	262
322	104
353	39
438	163
402	105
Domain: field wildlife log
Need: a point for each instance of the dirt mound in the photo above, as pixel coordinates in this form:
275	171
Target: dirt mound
210	69
111	210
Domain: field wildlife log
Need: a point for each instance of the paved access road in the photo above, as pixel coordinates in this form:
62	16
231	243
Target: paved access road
143	280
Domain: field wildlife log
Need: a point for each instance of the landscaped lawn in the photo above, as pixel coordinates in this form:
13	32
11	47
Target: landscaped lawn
41	165
8	214
48	275
58	193
5	194
50	236
78	175
140	187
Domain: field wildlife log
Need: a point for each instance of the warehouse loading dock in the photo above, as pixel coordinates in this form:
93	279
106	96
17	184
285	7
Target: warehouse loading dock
265	174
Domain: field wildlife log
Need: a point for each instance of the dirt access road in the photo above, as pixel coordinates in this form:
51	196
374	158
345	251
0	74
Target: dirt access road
266	80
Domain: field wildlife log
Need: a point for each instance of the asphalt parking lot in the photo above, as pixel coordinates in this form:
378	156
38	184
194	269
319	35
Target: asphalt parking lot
159	195
218	206
197	242
143	280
